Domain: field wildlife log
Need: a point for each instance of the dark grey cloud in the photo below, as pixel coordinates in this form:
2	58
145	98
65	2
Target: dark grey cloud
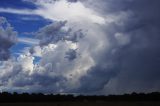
71	54
140	59
56	32
38	82
74	36
133	57
72	0
7	38
51	33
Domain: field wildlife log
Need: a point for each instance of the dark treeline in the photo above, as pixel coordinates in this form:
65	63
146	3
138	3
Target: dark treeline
25	97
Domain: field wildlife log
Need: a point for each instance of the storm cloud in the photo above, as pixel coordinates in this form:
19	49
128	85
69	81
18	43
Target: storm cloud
139	60
97	47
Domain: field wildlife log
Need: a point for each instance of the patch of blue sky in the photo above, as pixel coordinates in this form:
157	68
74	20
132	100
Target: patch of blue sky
18	4
22	23
36	60
17	49
25	23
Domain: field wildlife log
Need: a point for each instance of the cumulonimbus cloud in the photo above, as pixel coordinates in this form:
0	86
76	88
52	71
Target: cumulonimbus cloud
91	47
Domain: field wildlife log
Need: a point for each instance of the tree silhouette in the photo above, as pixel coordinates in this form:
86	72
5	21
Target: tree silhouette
39	97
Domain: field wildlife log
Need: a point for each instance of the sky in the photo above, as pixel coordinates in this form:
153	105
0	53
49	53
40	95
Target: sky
90	47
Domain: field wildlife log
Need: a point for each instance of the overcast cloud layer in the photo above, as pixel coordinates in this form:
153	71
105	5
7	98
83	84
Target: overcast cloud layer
91	47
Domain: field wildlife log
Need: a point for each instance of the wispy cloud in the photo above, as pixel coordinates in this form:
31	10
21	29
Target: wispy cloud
17	11
56	10
30	18
28	41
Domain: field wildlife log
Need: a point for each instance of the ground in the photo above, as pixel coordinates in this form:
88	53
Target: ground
122	103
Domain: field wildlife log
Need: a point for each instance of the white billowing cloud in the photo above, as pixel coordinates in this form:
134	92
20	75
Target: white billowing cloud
6	67
60	66
68	50
15	73
39	51
72	45
26	62
36	51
